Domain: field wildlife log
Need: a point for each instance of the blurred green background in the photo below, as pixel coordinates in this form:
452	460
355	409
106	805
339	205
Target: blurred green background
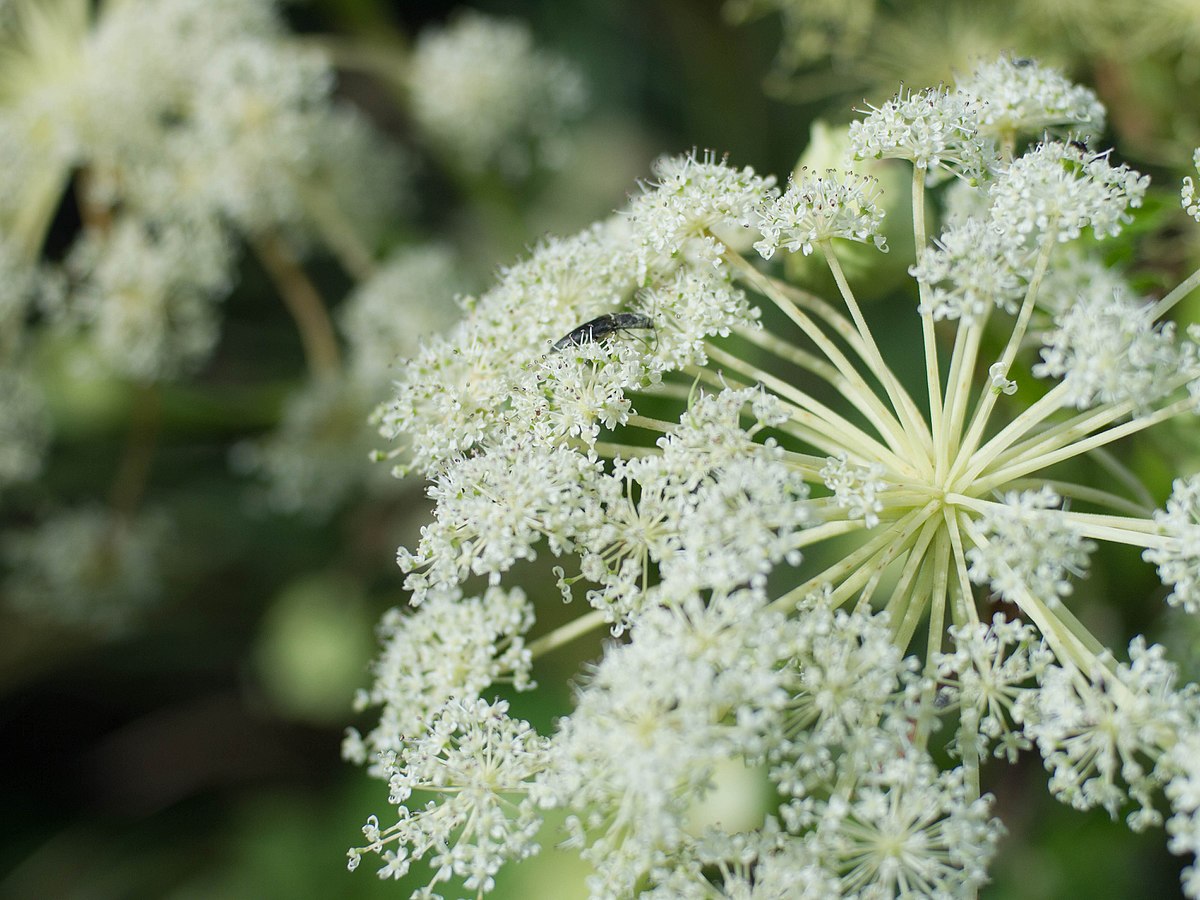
195	754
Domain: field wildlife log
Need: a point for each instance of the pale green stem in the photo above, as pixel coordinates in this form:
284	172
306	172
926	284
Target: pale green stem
916	583
1060	434
912	542
304	302
808	465
862	396
1137	524
1079	631
808	536
966	613
1180	291
1120	535
665	389
640	421
1045	406
713	379
340	235
564	634
868	577
968	729
1063	433
1116	529
929	338
788	296
910	417
937	624
958	387
842	327
612	450
833	430
1127	477
866	403
797	357
1024	465
41	193
852	561
988	400
1081	492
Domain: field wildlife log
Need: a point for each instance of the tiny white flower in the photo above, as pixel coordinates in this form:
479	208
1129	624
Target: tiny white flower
1000	382
855	489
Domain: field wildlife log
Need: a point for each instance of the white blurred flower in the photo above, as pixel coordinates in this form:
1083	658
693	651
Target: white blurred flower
488	98
24	426
421	281
88	568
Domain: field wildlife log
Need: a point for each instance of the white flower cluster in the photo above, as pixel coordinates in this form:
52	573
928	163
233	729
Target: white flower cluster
1187	194
147	295
651	725
1060	189
970	269
933	129
990	669
1101	738
477	757
856	489
816	208
616	403
695	206
1107	348
1183	790
424	280
1018	96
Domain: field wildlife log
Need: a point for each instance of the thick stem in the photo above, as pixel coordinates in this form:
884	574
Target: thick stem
304	302
966	613
564	634
851	565
1180	291
340	235
1043	408
137	458
933	383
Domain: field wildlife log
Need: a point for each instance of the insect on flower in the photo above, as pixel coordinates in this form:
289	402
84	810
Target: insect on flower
602	326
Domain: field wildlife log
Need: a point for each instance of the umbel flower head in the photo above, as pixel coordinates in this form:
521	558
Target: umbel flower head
727	472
